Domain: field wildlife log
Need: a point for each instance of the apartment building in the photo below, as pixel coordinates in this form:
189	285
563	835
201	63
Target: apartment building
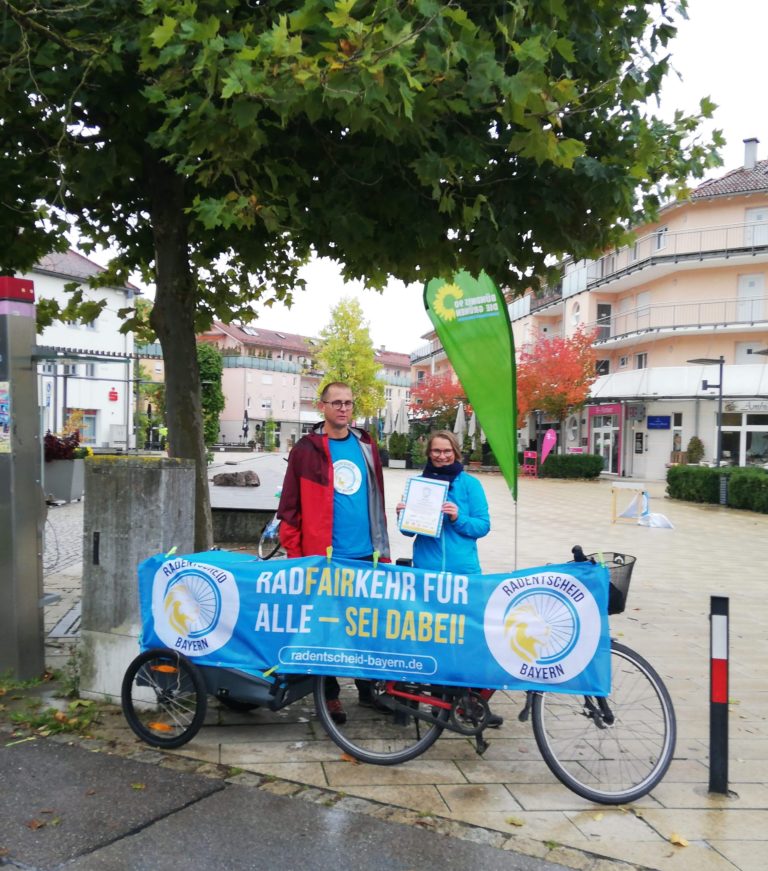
689	290
269	374
89	366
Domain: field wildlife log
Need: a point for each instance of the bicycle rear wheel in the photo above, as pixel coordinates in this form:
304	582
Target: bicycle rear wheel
615	750
164	698
382	734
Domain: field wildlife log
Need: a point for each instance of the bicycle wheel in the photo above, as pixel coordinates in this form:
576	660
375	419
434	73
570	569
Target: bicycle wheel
164	698
269	543
381	734
615	750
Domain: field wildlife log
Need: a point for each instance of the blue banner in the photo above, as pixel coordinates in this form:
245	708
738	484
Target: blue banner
540	628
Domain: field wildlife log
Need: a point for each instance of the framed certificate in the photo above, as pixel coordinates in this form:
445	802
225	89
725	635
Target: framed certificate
423	512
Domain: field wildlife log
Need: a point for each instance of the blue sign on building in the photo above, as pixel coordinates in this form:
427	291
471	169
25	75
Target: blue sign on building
659	421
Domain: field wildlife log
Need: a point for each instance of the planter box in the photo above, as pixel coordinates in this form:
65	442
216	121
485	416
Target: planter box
396	464
64	480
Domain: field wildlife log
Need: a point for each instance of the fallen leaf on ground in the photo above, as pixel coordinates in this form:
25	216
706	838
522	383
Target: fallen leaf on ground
347	758
678	840
598	817
34	824
60	717
138	786
515	821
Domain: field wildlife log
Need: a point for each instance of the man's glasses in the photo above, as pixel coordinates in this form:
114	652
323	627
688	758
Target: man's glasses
440	451
338	404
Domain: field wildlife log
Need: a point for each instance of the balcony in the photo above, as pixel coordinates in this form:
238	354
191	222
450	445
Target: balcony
432	349
546	298
682	316
667	247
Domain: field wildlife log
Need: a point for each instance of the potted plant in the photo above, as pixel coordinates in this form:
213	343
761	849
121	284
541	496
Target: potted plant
695	450
398	446
64	473
418	453
476	458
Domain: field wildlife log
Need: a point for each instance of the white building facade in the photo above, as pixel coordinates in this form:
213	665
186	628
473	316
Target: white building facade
90	366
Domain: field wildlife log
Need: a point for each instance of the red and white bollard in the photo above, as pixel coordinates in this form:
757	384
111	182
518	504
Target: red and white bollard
718	695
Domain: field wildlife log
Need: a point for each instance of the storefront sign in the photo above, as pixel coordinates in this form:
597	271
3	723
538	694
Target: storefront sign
746	405
659	421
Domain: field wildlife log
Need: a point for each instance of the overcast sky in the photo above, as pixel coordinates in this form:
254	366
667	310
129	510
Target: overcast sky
719	53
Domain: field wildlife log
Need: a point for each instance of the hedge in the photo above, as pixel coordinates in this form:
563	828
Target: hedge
571	466
747	487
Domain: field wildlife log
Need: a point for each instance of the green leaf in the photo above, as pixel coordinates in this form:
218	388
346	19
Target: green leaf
163	32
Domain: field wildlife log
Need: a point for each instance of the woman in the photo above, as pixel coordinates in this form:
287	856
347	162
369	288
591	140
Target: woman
466	518
466	511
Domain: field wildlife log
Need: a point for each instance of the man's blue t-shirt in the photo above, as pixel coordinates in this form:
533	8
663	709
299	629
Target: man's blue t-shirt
351	525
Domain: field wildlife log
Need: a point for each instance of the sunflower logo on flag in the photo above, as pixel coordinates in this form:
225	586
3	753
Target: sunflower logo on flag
447	292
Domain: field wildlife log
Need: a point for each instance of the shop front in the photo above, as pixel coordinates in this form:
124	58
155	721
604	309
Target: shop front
605	433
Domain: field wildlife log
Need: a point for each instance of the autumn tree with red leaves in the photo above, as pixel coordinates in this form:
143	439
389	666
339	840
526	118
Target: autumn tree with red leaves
555	375
436	398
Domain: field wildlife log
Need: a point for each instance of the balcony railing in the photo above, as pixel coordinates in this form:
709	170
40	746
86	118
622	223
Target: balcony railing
546	297
671	316
426	351
666	245
661	246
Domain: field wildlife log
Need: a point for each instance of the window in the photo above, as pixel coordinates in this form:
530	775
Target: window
623	362
660	238
420	375
576	314
49	368
69	369
90	370
388	393
266	404
641	361
603	367
677	431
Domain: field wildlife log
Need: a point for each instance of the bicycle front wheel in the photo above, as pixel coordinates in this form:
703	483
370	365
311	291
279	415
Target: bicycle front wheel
381	732
613	750
164	698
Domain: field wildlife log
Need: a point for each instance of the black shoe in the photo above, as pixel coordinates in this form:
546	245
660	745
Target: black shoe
493	721
367	700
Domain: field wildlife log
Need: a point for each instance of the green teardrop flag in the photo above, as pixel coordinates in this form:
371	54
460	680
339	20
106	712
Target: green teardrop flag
472	323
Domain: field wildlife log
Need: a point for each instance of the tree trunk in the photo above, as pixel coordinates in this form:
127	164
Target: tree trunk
173	319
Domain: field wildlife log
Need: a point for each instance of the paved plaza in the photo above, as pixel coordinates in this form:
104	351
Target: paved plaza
508	797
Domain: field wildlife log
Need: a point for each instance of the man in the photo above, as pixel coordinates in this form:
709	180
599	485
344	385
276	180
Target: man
333	496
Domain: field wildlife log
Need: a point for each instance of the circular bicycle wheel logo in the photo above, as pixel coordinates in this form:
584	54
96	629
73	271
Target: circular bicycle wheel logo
542	628
195	608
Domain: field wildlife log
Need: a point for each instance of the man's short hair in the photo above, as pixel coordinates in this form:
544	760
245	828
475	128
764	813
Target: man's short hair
328	386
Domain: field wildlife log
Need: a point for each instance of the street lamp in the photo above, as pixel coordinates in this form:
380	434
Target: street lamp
764	352
705	385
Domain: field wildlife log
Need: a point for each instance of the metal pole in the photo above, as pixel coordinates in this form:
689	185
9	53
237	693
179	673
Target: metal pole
22	507
720	414
718	695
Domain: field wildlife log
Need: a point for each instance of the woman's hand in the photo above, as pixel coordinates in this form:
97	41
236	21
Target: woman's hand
451	510
399	507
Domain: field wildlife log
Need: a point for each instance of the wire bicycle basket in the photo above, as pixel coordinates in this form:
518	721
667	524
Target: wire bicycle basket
619	567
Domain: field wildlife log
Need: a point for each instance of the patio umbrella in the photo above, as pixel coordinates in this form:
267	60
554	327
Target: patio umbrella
472	426
460	426
389	426
245	423
402	424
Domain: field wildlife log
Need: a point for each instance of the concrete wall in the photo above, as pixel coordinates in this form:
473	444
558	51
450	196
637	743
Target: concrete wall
135	507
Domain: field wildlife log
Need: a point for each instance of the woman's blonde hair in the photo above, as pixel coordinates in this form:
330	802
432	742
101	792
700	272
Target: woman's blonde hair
449	437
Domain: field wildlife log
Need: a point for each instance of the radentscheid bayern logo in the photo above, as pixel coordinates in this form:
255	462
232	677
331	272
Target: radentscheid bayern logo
542	628
194	606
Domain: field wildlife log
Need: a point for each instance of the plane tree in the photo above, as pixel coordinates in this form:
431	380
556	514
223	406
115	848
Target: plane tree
214	145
